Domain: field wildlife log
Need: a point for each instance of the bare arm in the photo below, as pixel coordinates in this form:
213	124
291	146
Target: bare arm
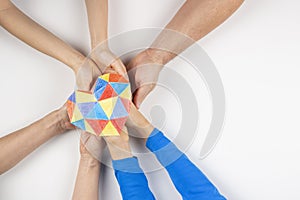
16	146
87	181
97	11
27	30
194	20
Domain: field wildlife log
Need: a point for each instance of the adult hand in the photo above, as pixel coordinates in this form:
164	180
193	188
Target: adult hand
104	58
144	71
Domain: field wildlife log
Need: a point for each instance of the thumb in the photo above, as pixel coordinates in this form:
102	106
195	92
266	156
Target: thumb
141	94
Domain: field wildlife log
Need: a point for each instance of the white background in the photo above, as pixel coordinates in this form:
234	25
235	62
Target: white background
256	53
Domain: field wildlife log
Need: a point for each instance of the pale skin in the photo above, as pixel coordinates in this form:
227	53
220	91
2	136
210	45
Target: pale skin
194	20
17	145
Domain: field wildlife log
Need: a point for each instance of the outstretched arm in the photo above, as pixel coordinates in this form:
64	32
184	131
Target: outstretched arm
33	34
87	181
97	11
194	20
190	182
16	146
131	178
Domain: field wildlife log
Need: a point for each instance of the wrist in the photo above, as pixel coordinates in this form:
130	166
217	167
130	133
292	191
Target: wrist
76	61
159	56
53	123
139	123
57	122
89	161
119	149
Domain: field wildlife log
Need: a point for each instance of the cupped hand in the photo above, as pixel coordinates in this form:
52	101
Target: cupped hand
91	145
144	71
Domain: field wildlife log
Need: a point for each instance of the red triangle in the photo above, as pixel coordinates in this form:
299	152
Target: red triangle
119	123
108	92
70	108
126	103
97	125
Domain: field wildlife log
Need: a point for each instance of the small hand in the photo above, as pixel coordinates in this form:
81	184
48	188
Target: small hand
91	146
139	123
118	146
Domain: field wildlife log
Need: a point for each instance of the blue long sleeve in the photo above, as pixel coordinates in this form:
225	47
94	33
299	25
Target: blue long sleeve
190	182
132	181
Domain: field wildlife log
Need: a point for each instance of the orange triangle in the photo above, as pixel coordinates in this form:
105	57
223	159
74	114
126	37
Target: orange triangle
70	108
97	125
115	77
108	92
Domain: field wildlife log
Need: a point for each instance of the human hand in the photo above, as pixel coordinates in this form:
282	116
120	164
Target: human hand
144	70
118	146
104	58
63	123
86	75
91	145
139	123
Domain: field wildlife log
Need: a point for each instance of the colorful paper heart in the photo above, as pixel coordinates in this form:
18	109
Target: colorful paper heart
103	111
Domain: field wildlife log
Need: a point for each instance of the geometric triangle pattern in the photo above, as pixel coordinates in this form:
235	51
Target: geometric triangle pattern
104	110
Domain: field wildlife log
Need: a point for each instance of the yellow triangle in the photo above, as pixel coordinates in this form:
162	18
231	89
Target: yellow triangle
76	114
105	77
88	128
109	130
126	93
108	105
83	97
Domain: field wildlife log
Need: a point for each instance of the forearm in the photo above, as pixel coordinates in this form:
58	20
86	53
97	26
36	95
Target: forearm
97	11
17	145
24	28
118	148
143	128
87	181
132	180
181	170
194	20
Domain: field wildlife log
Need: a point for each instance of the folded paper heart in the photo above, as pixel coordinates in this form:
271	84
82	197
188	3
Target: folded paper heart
104	110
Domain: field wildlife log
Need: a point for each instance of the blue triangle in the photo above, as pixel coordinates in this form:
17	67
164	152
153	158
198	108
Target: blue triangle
72	97
119	110
100	84
86	108
97	113
99	92
79	124
119	87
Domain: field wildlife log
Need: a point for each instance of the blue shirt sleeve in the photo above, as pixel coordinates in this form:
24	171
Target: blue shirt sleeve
190	182
132	181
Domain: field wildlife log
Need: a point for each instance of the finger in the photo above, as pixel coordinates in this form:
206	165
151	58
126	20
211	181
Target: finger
119	67
141	94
